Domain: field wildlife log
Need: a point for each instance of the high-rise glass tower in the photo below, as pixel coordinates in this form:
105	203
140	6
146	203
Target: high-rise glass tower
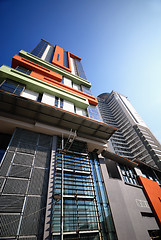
59	176
133	140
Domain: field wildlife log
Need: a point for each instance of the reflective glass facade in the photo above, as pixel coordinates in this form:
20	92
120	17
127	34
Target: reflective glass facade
80	69
65	60
39	49
93	113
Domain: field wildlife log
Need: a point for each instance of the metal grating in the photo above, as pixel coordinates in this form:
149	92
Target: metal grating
20	171
9	225
27	136
1	181
26	148
39	182
42	157
15	186
23	159
6	163
45	141
32	224
10	203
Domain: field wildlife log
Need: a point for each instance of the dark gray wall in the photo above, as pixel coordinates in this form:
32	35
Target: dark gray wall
127	202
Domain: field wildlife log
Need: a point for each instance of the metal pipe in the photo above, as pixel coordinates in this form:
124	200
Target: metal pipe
62	183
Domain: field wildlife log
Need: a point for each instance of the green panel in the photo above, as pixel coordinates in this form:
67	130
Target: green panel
37	85
76	79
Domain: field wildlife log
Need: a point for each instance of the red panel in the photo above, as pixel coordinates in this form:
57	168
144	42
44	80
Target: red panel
153	194
19	61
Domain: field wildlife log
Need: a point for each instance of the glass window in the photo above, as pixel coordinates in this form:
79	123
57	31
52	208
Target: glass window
93	113
12	86
128	174
80	69
65	60
4	141
23	70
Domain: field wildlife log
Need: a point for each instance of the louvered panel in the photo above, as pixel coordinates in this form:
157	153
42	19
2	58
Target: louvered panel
10	203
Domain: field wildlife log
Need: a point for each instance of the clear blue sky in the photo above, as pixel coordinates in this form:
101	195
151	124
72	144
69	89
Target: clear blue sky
119	42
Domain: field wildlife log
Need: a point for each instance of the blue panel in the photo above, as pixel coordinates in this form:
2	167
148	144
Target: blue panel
65	60
12	87
39	49
80	69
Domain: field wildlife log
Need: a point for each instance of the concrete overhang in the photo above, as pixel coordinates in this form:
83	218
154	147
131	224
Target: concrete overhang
118	159
20	107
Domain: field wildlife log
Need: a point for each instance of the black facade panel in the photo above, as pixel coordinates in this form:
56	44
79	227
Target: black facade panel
26	148
45	141
9	225
42	157
20	171
39	182
33	219
23	159
6	163
15	186
11	203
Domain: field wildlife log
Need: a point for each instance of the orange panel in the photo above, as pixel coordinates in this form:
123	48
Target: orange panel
91	99
19	61
153	194
59	57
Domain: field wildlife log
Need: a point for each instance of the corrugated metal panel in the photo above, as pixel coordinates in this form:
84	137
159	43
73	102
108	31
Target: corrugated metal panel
10	203
23	159
20	171
6	163
9	225
42	158
33	224
15	186
39	182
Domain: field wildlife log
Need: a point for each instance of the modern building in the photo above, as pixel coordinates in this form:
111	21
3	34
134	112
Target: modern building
59	177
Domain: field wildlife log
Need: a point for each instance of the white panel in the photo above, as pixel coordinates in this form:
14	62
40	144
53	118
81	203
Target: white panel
48	99
69	106
29	94
73	66
80	111
45	52
76	86
67	82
